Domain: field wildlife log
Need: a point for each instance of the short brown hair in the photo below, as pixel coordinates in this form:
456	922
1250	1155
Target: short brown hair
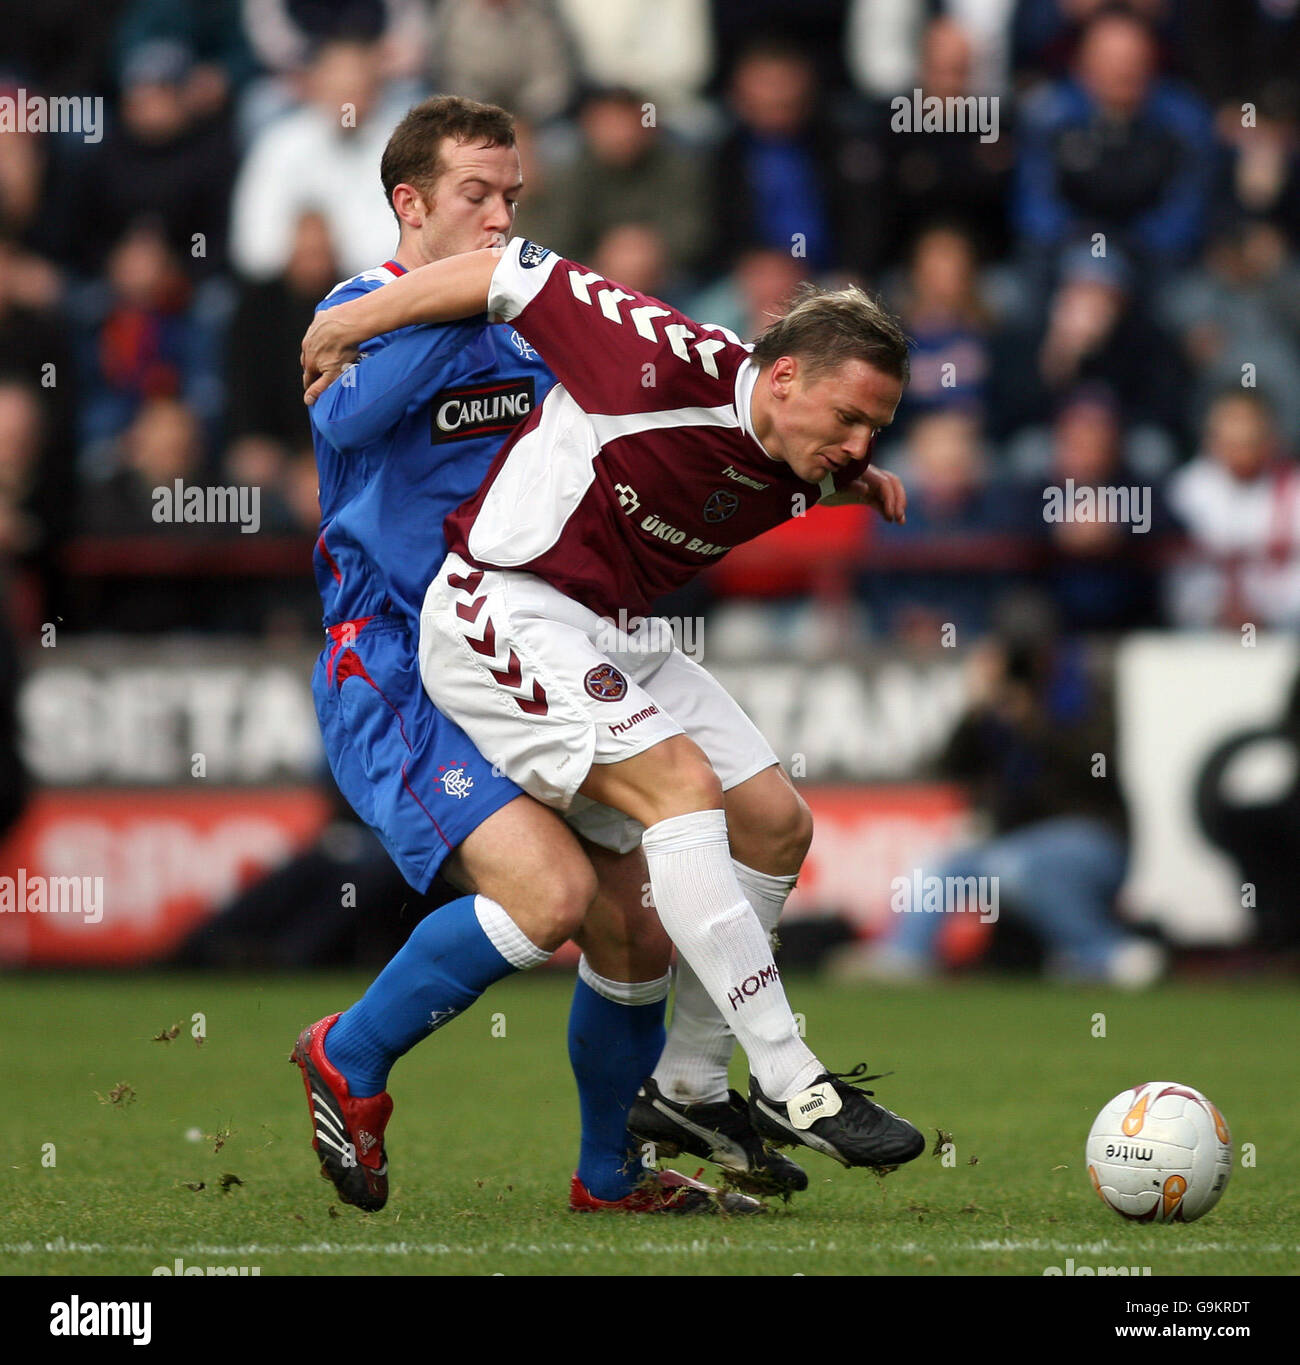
413	155
826	327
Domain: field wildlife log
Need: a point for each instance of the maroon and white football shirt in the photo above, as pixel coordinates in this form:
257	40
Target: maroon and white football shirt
641	467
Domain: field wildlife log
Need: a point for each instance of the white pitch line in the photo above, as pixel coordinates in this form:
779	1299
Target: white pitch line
697	1247
1273	1249
401	1249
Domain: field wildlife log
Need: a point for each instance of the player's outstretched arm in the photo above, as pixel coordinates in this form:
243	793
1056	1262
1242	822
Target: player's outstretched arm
443	291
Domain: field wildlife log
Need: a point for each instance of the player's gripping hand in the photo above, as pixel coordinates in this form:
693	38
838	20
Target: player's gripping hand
876	488
328	347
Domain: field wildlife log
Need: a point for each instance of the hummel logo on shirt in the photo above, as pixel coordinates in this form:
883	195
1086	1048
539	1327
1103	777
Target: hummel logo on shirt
733	473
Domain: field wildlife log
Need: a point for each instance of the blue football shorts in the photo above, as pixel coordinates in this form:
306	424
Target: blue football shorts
410	773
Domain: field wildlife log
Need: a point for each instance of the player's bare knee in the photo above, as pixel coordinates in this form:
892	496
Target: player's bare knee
639	935
627	948
792	836
688	784
770	824
648	959
648	948
560	899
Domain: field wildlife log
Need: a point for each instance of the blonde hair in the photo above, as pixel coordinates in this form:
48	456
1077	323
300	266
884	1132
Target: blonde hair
826	327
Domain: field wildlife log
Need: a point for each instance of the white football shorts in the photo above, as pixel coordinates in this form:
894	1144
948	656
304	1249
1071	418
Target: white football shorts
545	688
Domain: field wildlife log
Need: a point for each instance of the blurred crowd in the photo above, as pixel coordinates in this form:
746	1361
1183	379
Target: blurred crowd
1104	295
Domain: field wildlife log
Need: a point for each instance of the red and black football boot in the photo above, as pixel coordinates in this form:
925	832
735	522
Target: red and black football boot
347	1133
664	1192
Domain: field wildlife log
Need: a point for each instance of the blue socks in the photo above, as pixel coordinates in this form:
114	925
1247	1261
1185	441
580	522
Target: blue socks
616	1029
451	958
616	1033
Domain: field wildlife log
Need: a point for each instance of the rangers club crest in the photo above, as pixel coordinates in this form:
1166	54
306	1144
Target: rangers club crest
605	683
721	505
455	781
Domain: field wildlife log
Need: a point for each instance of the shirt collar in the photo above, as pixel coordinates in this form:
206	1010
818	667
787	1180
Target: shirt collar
746	379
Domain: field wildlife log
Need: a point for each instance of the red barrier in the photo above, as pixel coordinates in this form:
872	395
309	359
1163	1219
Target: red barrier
166	858
154	864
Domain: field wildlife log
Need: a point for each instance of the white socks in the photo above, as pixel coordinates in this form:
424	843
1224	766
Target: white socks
692	1068
506	936
716	931
625	992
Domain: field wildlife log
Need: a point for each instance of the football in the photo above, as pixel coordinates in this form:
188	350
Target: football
1160	1153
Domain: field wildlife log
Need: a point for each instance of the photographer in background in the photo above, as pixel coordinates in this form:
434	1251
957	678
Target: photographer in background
1035	752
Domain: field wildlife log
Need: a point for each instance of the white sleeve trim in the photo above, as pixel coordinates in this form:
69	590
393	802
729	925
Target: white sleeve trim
514	284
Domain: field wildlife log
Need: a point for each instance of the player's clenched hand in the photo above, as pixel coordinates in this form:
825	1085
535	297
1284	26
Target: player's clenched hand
327	348
876	488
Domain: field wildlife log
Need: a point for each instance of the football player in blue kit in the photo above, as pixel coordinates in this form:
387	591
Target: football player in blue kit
402	438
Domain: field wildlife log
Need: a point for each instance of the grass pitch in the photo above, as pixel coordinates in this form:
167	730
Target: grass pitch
124	1153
